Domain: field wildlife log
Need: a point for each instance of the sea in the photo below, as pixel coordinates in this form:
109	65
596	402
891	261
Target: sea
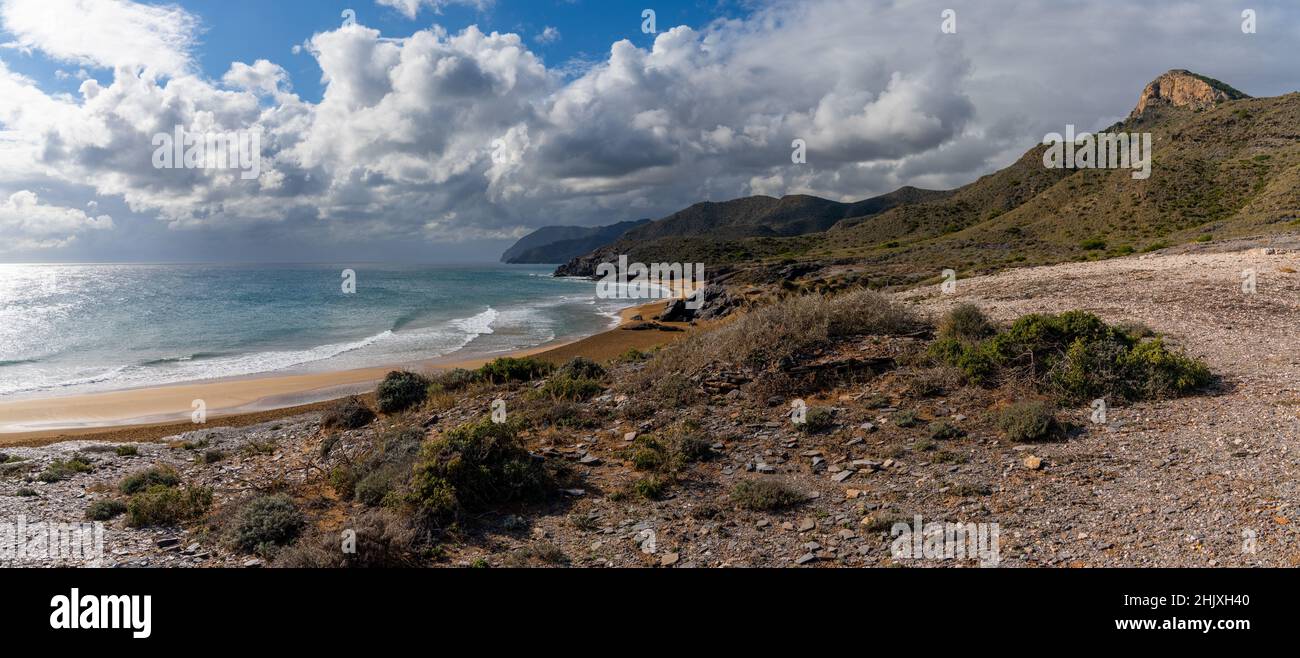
74	328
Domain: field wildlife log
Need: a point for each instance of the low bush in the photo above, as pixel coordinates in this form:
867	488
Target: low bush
126	451
456	379
942	430
26	492
650	487
906	418
210	457
563	387
383	540
264	524
765	495
817	420
401	390
774	334
1029	421
161	505
1075	357
474	466
62	469
510	369
156	476
581	367
348	414
103	510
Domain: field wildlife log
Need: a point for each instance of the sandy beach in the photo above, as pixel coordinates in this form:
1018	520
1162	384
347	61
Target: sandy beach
152	413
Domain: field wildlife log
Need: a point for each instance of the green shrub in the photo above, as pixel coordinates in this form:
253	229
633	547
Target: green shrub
452	380
563	387
632	355
817	420
966	323
510	369
765	495
906	418
343	480
210	457
1093	244
349	414
141	480
26	492
265	523
372	489
647	453
580	367
650	487
1029	421
474	466
103	510
942	430
127	451
1076	357
62	469
401	390
692	448
161	505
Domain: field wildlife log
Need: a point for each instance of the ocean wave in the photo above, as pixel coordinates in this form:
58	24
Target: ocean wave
477	325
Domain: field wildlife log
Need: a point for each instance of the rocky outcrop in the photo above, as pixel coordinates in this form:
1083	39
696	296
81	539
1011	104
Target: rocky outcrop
1181	88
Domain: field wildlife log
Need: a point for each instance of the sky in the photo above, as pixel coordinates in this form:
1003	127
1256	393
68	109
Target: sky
442	130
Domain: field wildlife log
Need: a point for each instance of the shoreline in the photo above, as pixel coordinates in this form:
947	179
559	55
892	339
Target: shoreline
148	414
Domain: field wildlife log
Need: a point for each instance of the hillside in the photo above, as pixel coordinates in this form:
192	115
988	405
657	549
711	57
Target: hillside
1225	165
557	244
756	217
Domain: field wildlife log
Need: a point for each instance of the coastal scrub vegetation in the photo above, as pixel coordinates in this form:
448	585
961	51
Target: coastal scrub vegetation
1073	356
349	413
161	505
770	338
400	390
473	466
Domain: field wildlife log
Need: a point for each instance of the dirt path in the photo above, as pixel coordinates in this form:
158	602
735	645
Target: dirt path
1181	483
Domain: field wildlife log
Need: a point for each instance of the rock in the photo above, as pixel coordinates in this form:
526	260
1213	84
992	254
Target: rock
168	542
843	475
852	493
669	559
589	460
576	493
764	468
1033	463
867	427
1181	88
252	564
806	558
630	436
762	523
807	524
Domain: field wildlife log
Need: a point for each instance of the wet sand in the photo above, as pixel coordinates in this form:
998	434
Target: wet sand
151	413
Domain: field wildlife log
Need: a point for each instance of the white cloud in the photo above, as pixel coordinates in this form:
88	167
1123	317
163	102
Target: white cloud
28	224
548	35
445	135
104	33
410	8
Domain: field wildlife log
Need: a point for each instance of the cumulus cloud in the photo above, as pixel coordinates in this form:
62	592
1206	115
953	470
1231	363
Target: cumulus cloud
411	8
549	34
104	33
28	224
453	135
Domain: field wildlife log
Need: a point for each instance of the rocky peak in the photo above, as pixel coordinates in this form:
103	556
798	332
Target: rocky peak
1180	88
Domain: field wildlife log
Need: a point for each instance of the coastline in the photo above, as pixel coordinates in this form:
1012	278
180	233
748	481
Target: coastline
147	414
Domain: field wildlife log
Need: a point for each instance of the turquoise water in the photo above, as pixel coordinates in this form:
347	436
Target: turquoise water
82	328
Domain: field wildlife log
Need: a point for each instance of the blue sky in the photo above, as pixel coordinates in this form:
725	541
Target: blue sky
443	130
248	30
